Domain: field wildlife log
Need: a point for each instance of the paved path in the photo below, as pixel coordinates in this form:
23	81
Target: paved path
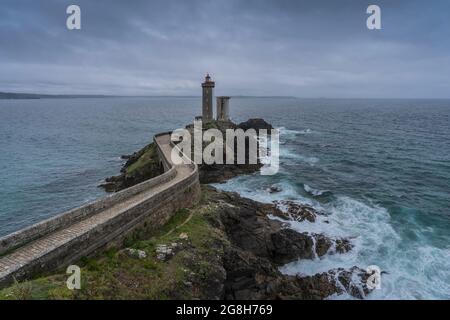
30	252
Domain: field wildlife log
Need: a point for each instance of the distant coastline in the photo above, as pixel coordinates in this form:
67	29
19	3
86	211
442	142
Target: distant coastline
28	96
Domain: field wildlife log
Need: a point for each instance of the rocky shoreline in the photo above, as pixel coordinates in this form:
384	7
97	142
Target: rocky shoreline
225	247
258	246
254	246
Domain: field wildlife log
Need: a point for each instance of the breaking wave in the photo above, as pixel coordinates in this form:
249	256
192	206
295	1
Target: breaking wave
315	192
413	267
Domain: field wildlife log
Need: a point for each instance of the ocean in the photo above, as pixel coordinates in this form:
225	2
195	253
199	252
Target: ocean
379	168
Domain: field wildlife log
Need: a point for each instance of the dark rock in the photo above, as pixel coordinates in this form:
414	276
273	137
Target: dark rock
274	189
256	124
343	245
295	211
322	244
217	173
346	278
247	226
289	245
140	166
108	186
257	246
250	278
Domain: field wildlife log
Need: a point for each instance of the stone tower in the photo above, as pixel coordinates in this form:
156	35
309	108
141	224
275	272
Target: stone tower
223	108
208	88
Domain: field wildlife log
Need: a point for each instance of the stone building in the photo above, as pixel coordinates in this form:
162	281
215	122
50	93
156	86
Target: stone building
223	103
208	89
223	108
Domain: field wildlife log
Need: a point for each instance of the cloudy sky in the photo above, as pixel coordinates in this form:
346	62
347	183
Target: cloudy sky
251	47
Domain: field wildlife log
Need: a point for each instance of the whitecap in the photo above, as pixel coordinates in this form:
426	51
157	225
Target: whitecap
315	192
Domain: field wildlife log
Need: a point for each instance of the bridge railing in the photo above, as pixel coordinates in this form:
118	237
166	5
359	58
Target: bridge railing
26	235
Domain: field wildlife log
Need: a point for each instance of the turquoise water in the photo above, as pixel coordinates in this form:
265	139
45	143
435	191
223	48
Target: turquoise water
381	168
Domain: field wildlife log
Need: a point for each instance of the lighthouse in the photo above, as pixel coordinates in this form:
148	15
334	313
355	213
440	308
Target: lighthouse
208	89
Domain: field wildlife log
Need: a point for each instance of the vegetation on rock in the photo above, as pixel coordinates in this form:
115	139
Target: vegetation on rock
140	166
224	247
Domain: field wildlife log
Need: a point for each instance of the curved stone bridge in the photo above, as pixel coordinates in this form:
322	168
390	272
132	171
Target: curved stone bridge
64	239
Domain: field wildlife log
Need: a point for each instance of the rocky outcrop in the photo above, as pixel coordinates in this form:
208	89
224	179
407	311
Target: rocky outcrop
250	277
290	210
216	173
139	167
258	245
145	164
253	245
256	124
221	173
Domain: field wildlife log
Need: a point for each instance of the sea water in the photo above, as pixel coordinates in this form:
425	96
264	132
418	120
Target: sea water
379	169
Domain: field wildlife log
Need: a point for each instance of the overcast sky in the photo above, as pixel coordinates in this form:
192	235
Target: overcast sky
250	47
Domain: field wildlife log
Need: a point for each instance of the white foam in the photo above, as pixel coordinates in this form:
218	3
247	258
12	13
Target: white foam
415	269
245	186
288	132
314	192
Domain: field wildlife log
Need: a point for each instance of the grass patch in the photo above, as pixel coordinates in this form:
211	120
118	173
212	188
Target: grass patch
148	158
115	274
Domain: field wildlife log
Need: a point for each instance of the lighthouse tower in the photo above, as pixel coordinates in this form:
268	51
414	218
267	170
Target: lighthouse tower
207	109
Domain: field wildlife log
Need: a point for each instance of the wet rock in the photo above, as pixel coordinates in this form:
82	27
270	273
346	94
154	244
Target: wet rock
140	166
258	245
108	186
274	189
325	245
343	245
218	173
298	212
289	245
256	123
322	244
250	277
248	226
353	281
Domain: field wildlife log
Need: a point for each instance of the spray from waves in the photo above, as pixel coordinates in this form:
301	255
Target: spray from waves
315	192
289	133
408	265
286	155
247	187
413	270
290	155
306	131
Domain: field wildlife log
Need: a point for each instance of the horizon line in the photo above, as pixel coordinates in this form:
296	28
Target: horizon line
30	96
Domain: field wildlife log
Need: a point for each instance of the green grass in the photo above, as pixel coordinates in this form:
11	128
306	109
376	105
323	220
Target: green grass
115	275
148	158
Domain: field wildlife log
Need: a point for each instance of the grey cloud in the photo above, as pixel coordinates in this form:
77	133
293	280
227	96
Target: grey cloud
254	47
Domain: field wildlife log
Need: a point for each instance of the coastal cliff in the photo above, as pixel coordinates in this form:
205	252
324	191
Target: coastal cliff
145	163
224	247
